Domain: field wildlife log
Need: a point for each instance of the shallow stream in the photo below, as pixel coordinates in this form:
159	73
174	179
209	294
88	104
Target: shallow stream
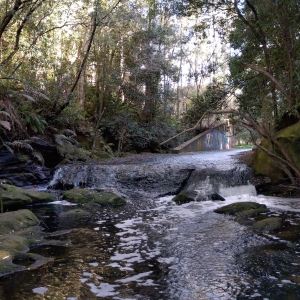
153	249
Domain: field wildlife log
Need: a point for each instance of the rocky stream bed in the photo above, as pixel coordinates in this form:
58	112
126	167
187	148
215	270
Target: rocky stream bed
145	246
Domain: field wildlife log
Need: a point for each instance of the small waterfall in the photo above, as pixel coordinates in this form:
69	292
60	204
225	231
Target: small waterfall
233	181
84	176
151	180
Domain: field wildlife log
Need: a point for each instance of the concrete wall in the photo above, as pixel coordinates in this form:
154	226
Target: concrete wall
213	139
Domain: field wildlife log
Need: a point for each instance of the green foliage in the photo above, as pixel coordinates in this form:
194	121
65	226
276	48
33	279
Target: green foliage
213	98
23	146
135	134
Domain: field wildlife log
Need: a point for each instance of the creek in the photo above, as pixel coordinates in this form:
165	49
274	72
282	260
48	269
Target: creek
152	248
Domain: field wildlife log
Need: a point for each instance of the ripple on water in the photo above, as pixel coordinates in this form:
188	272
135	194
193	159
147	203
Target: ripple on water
152	249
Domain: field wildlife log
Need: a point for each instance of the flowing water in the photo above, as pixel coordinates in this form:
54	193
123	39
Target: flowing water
152	248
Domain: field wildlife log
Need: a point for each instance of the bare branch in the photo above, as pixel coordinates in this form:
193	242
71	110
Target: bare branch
278	85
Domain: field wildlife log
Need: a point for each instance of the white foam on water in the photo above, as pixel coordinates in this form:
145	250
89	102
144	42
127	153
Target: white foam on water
40	290
62	202
128	257
104	289
94	264
87	274
136	278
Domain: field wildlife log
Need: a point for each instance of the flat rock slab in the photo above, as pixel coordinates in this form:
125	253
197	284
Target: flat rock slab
16	197
93	196
19	231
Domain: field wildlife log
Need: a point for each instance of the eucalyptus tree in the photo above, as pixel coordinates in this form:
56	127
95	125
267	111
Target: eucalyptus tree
264	36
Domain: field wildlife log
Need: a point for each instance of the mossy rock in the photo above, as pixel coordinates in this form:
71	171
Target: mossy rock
77	195
290	140
17	220
75	213
185	197
238	207
93	196
19	231
16	197
268	224
254	212
105	198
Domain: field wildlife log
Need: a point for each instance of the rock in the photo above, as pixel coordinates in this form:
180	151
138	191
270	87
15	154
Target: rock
238	207
132	178
185	197
16	197
75	213
216	197
93	196
253	212
48	150
17	233
264	165
268	224
20	170
16	221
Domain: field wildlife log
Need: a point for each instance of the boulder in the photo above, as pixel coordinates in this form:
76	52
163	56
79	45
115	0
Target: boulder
93	196
16	197
19	231
20	170
238	208
266	166
185	197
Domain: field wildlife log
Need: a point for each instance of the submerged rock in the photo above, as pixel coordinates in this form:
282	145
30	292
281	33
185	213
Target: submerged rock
16	197
267	225
93	196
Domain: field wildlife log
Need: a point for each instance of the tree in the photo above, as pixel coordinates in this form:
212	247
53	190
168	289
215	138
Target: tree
265	37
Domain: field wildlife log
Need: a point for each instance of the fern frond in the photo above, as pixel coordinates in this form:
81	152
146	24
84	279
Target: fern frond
70	133
6	125
28	97
61	139
38	157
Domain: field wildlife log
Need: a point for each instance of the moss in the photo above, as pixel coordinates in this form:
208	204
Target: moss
254	212
267	225
17	220
238	207
290	140
17	197
92	196
184	197
107	198
77	195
